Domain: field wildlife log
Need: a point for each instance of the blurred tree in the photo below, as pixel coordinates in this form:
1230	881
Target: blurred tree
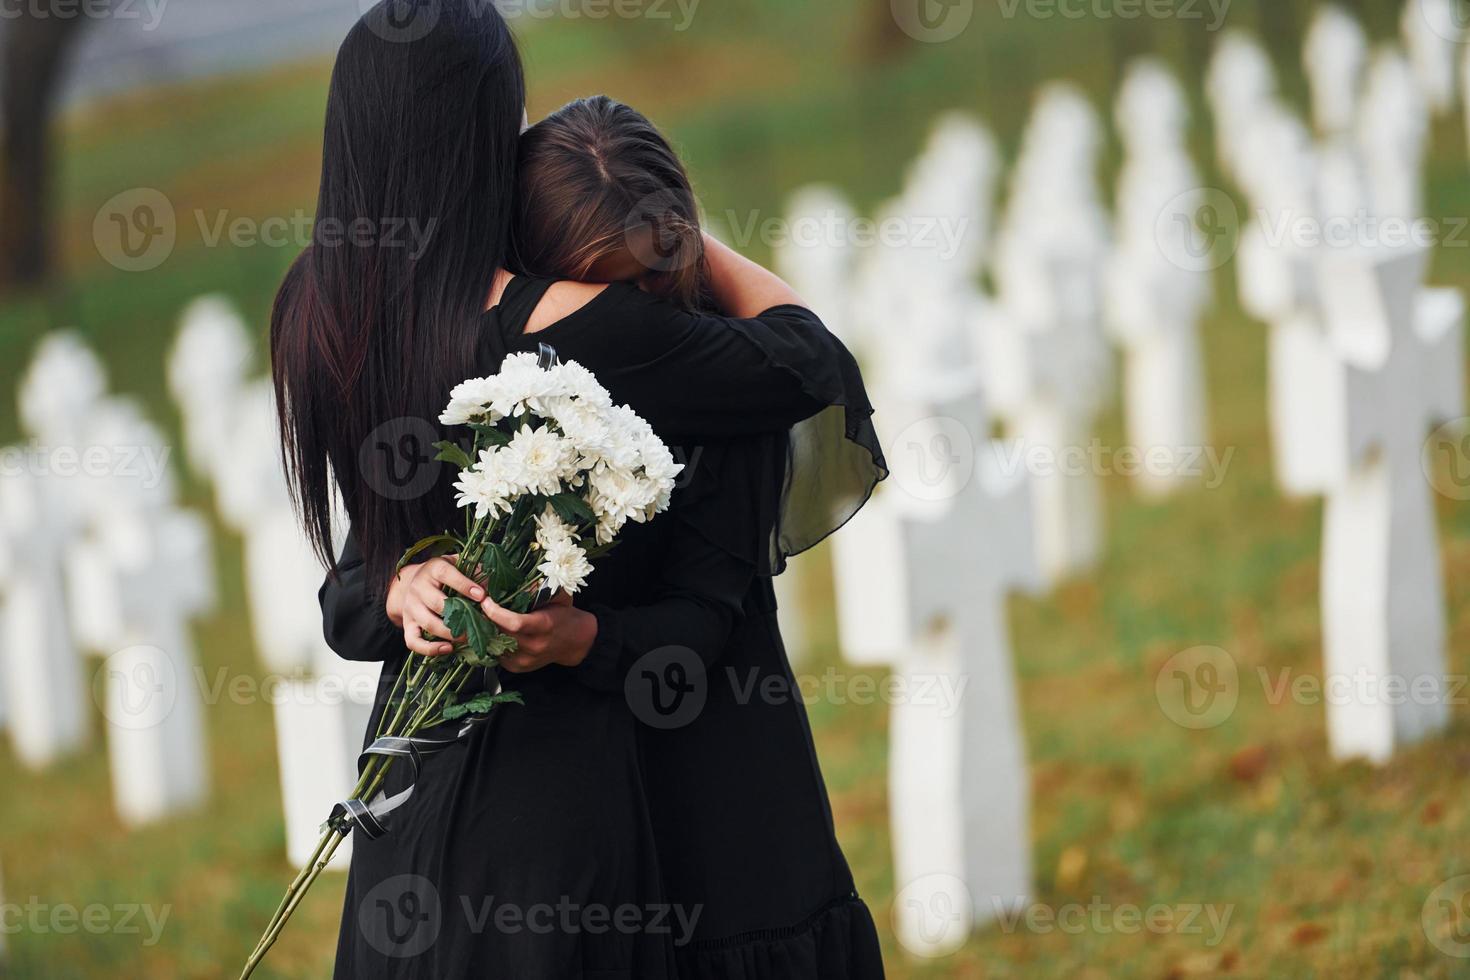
33	49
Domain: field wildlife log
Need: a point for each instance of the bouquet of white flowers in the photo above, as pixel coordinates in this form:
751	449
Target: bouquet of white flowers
554	472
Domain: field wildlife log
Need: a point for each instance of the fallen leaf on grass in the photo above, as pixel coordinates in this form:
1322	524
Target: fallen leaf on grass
1308	933
1247	765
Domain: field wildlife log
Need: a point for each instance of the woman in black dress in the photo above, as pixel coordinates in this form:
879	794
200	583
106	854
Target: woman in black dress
537	846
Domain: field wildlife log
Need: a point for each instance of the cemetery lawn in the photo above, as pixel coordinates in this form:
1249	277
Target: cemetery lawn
1323	869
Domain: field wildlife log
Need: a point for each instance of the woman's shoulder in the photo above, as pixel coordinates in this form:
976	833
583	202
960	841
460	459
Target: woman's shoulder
563	299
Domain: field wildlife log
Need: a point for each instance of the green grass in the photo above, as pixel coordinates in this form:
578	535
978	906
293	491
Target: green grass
1325	867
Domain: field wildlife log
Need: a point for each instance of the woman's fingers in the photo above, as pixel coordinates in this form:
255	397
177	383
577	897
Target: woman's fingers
442	573
425	619
519	663
413	638
519	625
508	621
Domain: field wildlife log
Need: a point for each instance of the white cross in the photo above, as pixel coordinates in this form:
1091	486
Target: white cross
45	684
959	786
1154	301
1048	370
159	567
1383	607
1432	32
1335	55
207	367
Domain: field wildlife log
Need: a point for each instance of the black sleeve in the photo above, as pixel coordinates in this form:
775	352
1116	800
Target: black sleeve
723	377
695	607
726	376
354	622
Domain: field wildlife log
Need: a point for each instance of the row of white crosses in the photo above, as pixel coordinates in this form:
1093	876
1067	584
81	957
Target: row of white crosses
1364	362
324	703
951	532
1048	367
102	558
1156	290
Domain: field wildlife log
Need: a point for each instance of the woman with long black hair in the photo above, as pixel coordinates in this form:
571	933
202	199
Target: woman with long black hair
529	849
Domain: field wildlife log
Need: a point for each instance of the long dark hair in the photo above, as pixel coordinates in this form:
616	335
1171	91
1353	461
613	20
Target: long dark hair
597	178
377	319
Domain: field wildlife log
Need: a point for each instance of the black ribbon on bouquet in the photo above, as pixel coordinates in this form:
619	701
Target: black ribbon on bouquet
368	817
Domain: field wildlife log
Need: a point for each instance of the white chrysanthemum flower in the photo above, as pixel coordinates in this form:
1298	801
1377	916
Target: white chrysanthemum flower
565	568
625	434
544	460
618	496
471	401
523	384
582	384
485	488
552	531
585	425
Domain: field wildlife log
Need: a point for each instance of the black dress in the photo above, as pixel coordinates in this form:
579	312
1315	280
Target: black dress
672	775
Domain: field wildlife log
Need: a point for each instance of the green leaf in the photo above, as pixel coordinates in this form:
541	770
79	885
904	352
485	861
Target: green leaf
465	619
444	544
505	577
481	704
451	453
573	509
490	435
